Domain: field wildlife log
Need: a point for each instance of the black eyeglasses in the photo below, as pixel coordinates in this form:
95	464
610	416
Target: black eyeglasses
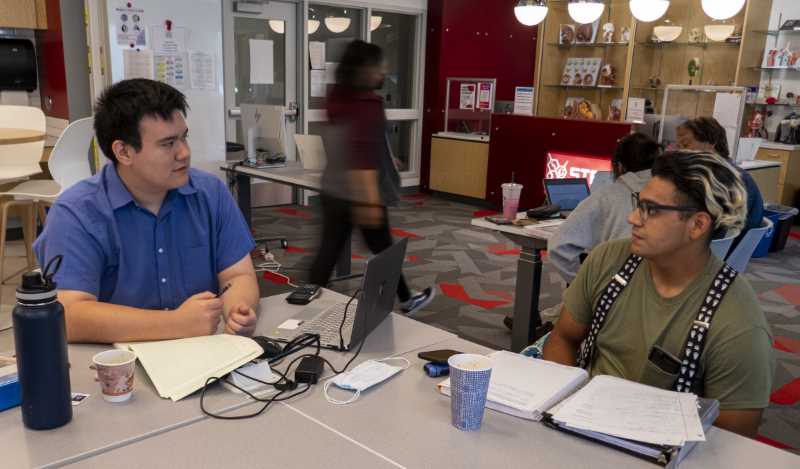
648	209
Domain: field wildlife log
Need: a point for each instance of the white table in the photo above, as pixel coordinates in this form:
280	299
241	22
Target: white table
532	240
292	175
404	422
98	426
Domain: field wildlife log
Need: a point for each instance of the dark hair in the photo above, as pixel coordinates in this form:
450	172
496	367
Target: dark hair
708	130
122	106
635	152
359	54
709	183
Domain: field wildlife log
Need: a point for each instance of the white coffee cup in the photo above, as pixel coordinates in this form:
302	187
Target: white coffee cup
115	370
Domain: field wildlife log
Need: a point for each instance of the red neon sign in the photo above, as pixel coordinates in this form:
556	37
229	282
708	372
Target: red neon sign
573	166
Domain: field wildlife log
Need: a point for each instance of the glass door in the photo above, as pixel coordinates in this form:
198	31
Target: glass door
260	43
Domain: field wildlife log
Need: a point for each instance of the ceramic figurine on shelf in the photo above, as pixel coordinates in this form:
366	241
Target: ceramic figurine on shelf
567	35
608	33
654	81
772	57
694	68
695	35
625	35
756	125
608	75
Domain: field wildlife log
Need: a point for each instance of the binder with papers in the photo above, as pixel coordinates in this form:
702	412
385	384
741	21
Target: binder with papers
180	367
658	425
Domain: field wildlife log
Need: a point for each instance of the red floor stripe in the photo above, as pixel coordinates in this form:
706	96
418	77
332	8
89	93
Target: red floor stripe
275	278
503	250
457	292
296	250
776	444
788	394
413	259
787	345
502	294
404	234
357	257
790	293
293	212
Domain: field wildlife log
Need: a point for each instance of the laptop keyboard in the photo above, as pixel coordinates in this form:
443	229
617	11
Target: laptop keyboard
327	324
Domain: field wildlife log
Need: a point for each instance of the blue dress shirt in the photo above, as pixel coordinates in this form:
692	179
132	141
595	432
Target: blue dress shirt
124	254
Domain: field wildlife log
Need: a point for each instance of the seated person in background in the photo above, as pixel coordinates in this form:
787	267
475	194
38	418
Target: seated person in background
148	242
674	317
603	216
706	134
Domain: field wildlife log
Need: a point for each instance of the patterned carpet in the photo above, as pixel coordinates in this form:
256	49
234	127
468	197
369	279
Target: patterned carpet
474	271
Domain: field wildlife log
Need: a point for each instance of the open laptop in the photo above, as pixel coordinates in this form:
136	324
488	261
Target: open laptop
566	193
378	292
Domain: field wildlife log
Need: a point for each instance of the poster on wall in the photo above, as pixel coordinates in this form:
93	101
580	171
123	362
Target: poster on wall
171	69
467	101
636	110
523	100
165	41
201	71
130	25
137	64
485	96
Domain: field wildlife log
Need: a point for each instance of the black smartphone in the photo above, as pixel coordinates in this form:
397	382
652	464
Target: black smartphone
437	356
303	294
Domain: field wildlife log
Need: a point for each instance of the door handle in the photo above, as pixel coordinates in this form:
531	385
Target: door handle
234	112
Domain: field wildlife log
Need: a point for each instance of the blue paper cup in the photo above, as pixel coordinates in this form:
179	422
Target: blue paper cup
469	384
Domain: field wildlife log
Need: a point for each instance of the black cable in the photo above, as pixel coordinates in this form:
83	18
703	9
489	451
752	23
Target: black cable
344	318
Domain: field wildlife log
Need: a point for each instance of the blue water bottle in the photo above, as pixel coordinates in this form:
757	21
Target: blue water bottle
40	334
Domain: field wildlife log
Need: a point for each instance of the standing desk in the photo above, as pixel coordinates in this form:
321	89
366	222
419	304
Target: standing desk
529	276
292	175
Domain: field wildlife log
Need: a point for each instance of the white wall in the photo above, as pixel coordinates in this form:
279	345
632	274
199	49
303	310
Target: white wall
790	81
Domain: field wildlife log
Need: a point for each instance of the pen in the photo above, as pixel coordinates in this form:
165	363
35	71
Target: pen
224	289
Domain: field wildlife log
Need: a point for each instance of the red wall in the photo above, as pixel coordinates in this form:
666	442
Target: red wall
52	74
472	38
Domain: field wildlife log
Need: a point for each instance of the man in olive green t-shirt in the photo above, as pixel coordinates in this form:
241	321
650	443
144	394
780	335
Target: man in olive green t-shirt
691	196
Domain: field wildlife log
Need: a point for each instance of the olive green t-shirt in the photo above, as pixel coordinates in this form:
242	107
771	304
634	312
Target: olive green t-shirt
737	364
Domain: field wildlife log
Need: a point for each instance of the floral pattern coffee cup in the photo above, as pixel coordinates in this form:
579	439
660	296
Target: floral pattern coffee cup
115	370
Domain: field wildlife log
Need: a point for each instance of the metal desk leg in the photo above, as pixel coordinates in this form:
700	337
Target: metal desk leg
243	197
343	265
526	301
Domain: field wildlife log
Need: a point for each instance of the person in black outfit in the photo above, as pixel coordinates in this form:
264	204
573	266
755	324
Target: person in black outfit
360	180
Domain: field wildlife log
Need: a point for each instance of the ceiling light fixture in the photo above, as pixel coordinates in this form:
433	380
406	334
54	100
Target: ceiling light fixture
531	12
313	26
337	24
648	10
722	9
277	26
375	22
586	11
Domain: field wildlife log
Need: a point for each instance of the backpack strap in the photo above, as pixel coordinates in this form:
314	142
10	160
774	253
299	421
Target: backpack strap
612	292
696	340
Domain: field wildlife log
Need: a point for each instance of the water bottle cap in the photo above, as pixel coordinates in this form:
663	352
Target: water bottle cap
39	286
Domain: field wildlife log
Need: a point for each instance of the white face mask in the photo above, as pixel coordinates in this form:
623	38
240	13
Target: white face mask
363	377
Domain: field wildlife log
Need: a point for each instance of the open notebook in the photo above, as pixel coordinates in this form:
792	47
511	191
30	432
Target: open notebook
180	367
655	424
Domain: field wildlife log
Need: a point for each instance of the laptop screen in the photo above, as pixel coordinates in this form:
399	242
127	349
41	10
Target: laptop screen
566	193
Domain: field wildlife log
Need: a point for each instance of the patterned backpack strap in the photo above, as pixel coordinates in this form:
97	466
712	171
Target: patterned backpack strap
696	340
610	295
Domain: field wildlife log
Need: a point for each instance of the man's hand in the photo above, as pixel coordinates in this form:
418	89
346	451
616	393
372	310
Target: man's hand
241	320
368	216
199	315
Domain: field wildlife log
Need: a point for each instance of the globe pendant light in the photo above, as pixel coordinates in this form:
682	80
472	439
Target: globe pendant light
313	26
277	26
667	31
586	11
648	10
531	12
375	22
722	9
337	24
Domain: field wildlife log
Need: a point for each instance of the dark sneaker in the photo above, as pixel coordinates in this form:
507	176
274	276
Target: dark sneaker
418	301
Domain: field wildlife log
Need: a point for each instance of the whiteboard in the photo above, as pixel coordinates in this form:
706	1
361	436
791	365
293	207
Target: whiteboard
202	22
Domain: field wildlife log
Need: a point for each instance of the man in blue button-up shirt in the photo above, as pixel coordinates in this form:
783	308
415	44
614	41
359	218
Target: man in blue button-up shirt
148	243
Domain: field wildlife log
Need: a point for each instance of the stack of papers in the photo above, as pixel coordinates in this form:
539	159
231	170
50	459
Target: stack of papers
180	367
526	387
633	411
